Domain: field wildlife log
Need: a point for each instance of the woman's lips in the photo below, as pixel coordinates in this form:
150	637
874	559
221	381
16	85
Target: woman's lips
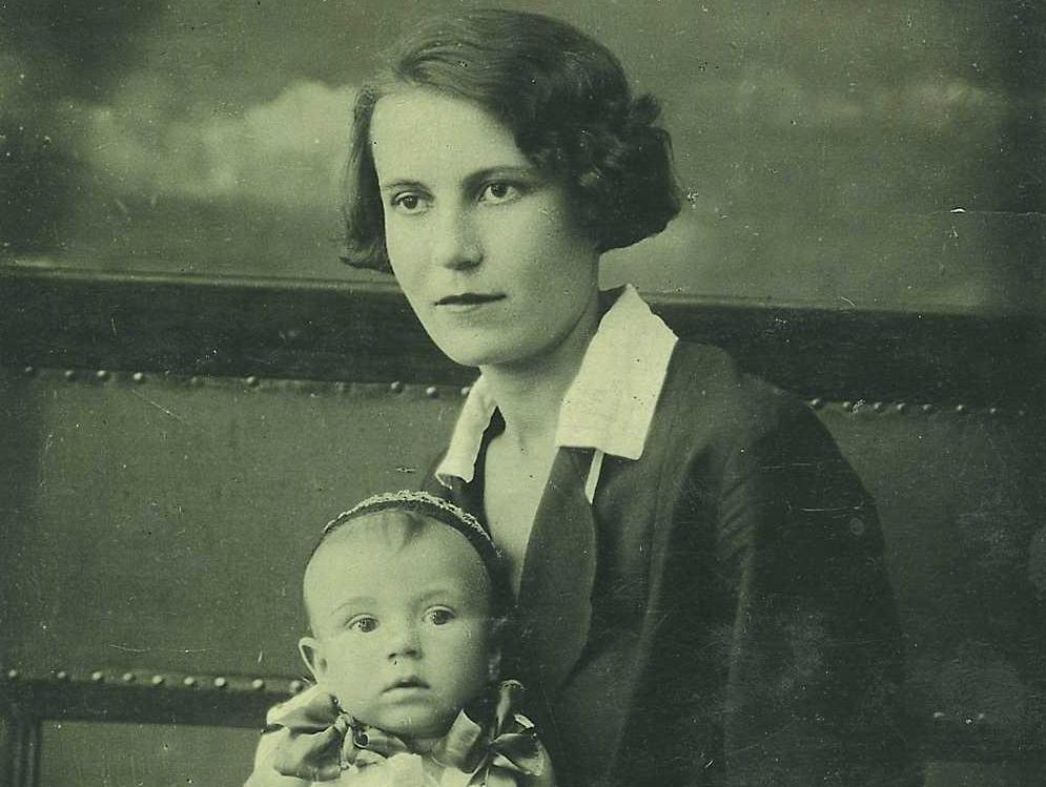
467	301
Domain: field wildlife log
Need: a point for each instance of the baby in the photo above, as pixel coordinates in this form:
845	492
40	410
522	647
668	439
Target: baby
406	597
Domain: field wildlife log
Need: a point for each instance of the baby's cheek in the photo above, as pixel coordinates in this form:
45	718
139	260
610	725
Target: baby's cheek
354	666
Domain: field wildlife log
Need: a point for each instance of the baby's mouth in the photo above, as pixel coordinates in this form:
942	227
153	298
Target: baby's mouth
407	683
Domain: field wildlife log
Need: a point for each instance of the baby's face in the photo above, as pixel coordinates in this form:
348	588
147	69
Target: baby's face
403	635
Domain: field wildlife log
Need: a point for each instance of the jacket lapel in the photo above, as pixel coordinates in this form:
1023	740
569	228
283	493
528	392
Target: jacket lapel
555	596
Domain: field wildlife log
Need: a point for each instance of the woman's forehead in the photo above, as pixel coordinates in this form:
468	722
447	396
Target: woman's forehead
419	130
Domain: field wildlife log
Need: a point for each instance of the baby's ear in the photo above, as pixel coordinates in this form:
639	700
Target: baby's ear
311	650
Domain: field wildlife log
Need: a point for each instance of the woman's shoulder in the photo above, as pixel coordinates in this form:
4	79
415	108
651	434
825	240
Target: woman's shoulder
722	423
707	390
728	431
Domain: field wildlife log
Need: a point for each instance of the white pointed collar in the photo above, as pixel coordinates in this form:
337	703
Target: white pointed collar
610	405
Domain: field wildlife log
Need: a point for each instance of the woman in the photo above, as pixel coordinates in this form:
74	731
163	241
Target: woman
702	597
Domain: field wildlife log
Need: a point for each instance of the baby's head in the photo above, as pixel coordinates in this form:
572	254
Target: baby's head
405	595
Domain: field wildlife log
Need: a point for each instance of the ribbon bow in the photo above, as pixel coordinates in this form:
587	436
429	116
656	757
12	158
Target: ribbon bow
317	740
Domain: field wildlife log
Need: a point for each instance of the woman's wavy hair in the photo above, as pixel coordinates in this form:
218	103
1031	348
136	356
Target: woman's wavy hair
565	98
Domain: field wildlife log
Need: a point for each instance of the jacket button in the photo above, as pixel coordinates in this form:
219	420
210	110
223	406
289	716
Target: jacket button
857	526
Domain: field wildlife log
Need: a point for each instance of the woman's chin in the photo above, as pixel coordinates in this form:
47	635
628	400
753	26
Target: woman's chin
477	354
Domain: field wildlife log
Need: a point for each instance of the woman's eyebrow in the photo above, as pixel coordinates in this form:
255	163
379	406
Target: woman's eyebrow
473	181
402	183
509	172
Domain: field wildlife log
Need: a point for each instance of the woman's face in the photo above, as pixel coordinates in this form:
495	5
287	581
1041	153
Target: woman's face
484	245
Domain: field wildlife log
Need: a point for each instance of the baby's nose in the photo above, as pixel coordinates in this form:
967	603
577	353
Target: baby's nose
403	640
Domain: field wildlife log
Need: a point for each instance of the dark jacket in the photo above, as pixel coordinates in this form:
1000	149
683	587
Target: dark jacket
721	615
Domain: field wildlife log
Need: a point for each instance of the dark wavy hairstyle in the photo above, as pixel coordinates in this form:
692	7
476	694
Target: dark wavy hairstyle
567	102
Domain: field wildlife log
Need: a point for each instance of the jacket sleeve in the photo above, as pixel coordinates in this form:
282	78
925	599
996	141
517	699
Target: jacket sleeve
815	665
547	776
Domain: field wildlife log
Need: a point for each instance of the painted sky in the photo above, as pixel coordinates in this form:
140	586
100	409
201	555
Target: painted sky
844	153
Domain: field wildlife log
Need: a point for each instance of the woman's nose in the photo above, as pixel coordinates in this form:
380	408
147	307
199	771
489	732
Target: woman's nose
457	243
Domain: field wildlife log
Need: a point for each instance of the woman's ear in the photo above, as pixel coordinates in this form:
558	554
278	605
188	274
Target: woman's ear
494	664
497	633
311	650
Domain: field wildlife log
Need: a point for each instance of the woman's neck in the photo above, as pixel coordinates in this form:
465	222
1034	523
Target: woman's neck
529	393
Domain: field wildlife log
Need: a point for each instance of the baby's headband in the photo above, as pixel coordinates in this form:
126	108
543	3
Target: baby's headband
422	502
443	511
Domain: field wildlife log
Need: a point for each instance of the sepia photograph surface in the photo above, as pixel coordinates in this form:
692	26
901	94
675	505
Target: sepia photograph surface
725	323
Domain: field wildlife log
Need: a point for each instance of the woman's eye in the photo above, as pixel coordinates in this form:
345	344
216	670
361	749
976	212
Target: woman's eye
439	617
363	624
409	203
499	192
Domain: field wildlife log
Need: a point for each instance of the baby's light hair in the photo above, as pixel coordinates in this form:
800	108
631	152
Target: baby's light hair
417	511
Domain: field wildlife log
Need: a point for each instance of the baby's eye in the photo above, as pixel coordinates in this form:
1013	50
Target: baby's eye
499	192
364	624
440	616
